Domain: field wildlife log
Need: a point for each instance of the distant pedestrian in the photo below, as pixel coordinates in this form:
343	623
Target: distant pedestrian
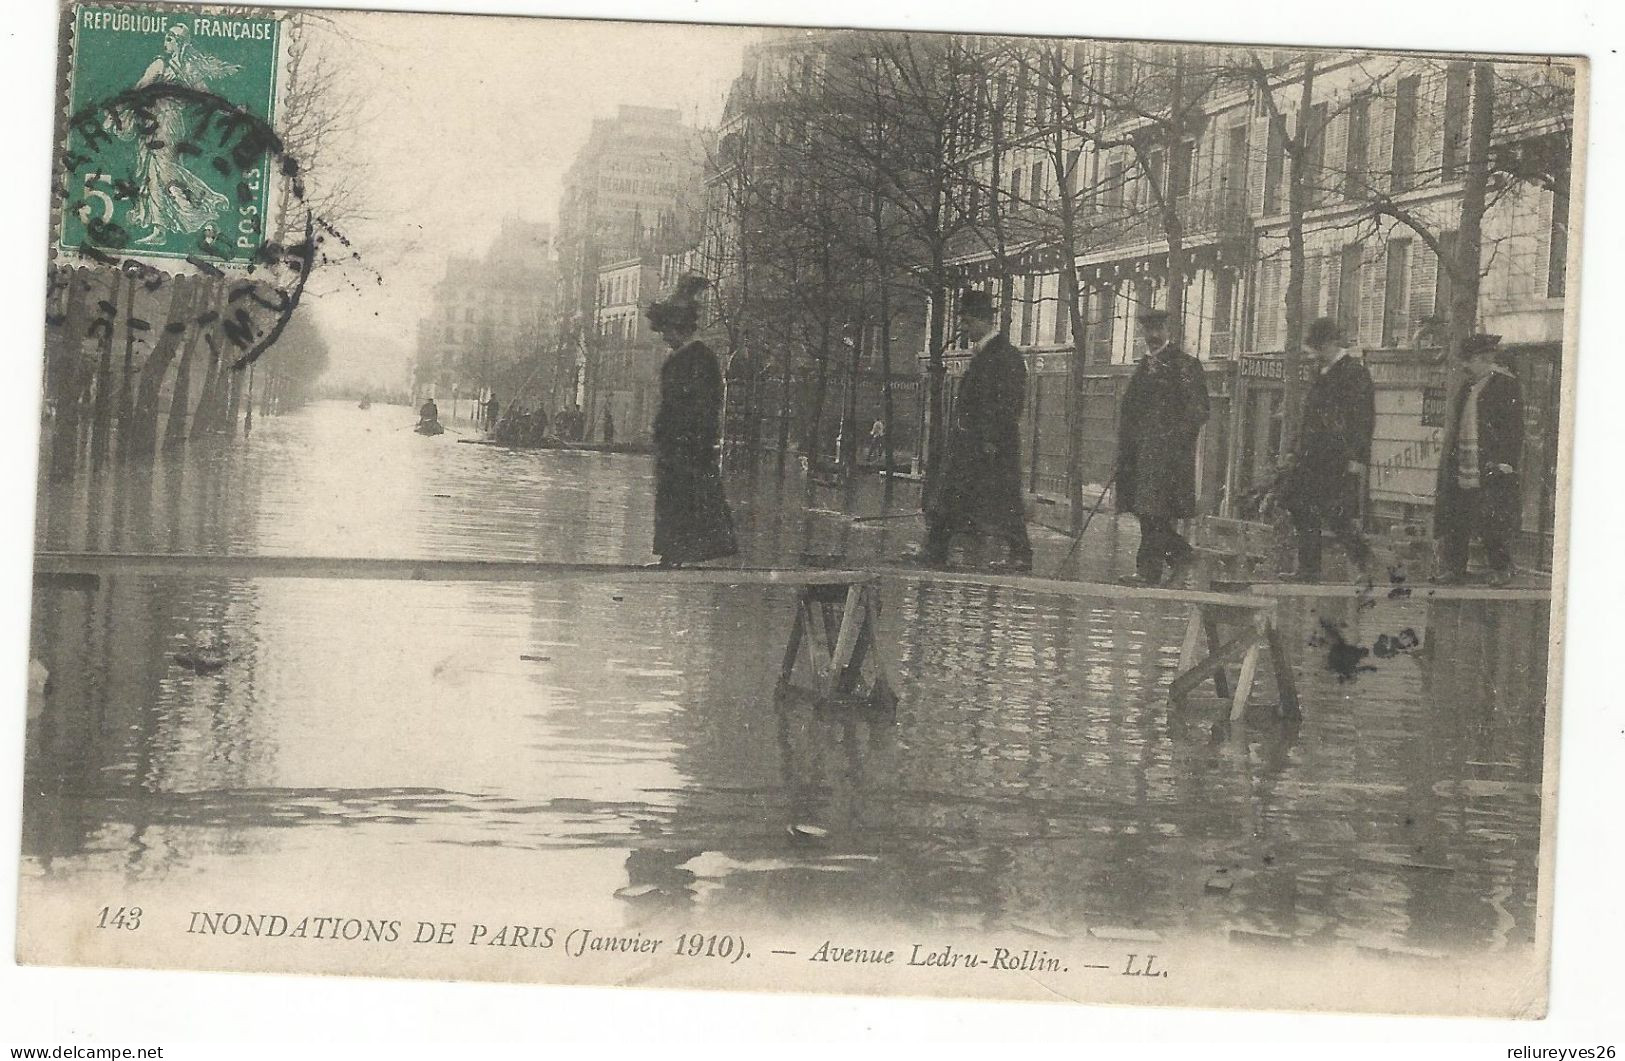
692	521
609	427
1164	408
428	412
876	449
979	491
1477	494
493	411
1325	482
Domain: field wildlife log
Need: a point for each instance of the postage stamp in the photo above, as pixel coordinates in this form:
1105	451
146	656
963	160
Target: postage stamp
164	158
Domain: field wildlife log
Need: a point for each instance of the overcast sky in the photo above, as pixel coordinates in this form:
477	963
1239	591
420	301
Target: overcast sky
464	120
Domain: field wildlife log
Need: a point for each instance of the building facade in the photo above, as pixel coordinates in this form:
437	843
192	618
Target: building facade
1382	159
488	318
625	356
632	190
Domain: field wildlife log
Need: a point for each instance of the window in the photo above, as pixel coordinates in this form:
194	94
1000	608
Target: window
1354	163
1233	196
1315	170
1063	314
1115	180
1029	302
1456	91
1038	182
1396	285
1101	321
1122	71
1311	287
1015	187
1224	294
1020	109
1404	165
1154	175
1274	164
1348	290
1179	177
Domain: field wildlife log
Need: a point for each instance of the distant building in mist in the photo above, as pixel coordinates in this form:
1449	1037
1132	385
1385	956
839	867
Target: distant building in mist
634	189
490	316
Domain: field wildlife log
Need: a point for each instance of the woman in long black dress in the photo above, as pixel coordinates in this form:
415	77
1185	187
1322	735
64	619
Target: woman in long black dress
692	522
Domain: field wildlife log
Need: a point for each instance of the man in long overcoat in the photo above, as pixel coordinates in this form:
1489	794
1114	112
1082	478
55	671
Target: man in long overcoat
980	489
1325	481
1477	492
1164	408
692	521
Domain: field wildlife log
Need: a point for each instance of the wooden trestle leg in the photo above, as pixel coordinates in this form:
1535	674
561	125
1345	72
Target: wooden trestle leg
838	625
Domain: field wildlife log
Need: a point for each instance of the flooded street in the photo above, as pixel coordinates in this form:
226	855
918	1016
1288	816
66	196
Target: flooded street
1032	773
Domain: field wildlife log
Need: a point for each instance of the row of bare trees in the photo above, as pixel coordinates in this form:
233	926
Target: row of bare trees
860	177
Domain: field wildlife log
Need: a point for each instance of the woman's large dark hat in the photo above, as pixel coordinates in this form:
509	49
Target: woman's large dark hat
681	308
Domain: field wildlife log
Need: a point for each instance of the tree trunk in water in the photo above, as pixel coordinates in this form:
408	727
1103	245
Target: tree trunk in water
248	403
849	451
203	419
887	410
936	374
815	414
103	327
143	427
126	386
235	402
68	377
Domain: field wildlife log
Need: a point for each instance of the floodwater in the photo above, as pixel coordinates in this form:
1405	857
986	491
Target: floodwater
436	736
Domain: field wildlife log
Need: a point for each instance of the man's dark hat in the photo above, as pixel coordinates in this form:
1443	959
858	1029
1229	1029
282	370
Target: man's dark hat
1323	331
974	303
1479	343
1152	315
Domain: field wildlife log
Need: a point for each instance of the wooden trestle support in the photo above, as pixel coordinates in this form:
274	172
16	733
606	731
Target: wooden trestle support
837	628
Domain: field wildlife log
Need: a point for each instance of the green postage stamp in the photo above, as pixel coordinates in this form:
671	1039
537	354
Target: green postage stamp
170	153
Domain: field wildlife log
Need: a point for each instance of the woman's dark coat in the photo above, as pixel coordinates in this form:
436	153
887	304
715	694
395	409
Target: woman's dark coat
981	489
692	522
1163	411
1339	417
1500	441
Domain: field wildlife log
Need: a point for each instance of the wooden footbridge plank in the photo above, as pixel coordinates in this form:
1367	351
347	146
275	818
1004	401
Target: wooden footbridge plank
836	621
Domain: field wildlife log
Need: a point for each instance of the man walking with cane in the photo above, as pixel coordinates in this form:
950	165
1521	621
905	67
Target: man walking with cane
1325	483
980	490
1164	408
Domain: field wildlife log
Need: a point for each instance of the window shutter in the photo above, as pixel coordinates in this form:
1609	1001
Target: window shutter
1290	116
1258	147
1424	266
1380	145
1372	278
1332	280
1335	159
1430	128
1540	266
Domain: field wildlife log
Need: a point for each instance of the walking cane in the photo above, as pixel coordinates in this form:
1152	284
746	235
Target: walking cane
1098	502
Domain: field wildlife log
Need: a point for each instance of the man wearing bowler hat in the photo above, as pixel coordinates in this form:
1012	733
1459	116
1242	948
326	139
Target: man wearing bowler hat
1324	484
980	489
1477	490
1162	415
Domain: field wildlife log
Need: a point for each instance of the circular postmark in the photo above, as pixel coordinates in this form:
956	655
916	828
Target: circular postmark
167	176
